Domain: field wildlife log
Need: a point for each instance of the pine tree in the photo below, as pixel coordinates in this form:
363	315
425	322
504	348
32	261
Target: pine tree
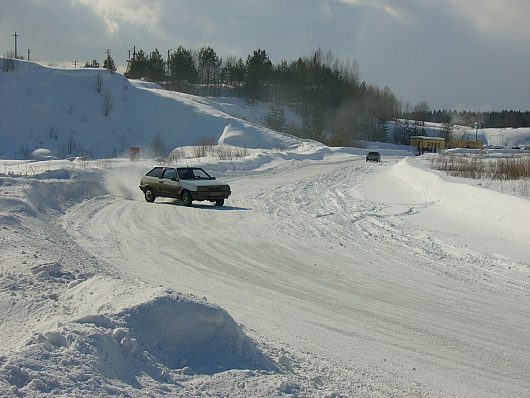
139	66
208	65
276	119
109	63
182	66
156	66
259	68
93	64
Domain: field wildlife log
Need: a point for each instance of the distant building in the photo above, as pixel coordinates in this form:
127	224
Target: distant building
464	144
435	144
427	144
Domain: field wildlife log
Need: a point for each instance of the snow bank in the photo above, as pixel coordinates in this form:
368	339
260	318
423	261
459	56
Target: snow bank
152	342
180	332
42	154
245	135
504	211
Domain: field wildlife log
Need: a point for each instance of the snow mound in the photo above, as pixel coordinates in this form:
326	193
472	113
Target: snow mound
152	342
248	136
42	154
184	333
145	84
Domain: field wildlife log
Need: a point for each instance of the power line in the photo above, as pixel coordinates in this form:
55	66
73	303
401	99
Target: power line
58	42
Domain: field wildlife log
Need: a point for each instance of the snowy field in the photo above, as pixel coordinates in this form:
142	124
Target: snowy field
322	276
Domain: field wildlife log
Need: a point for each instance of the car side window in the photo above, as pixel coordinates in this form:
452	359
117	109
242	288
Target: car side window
186	174
156	172
169	174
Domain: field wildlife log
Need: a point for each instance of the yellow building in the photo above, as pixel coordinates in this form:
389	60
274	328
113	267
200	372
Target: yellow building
427	144
465	144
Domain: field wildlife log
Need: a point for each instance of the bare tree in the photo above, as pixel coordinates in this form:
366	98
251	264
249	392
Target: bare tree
99	82
107	104
420	112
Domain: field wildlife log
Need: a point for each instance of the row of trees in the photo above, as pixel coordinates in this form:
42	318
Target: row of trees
108	63
335	106
493	119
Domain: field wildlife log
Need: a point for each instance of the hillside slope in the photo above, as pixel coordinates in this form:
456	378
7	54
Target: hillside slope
98	113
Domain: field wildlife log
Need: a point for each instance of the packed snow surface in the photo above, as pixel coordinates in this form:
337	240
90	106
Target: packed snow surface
323	275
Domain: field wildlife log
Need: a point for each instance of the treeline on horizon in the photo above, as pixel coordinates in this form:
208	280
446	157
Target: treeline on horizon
335	105
502	119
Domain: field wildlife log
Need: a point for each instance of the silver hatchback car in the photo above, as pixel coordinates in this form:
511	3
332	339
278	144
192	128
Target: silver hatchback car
185	183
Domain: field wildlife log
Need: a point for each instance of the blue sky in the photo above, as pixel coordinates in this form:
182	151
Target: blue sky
472	54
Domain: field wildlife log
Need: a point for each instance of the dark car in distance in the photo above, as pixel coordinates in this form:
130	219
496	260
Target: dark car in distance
373	157
185	183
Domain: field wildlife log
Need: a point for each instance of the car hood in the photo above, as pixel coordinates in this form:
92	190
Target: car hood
201	183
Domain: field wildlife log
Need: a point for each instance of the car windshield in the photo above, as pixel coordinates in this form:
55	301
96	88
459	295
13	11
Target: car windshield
193	173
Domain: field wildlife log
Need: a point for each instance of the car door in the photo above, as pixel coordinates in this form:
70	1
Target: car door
152	178
169	184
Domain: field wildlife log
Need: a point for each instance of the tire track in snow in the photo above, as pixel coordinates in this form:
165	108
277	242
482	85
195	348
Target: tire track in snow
299	244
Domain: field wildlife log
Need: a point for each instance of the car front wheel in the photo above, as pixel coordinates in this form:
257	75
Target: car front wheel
186	198
219	202
149	195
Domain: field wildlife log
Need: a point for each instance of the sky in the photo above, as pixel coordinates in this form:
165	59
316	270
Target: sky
457	54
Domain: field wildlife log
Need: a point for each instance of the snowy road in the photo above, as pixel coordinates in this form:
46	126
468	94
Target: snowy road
333	262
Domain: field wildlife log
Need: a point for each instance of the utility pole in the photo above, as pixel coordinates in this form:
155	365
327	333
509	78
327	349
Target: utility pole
16	55
28	54
134	53
128	69
168	71
75	64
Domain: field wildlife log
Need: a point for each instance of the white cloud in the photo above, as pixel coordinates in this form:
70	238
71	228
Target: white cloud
379	5
443	51
117	12
506	18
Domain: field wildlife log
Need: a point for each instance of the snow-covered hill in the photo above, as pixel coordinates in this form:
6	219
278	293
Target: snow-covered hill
96	113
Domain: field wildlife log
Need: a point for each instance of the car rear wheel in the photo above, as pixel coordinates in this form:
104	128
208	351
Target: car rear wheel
219	202
186	198
149	195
